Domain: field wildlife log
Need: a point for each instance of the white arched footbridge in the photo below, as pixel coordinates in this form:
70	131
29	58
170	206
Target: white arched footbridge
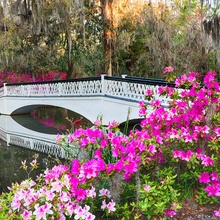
108	97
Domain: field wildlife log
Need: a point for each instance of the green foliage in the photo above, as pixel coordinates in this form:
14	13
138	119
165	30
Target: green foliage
201	197
161	194
5	200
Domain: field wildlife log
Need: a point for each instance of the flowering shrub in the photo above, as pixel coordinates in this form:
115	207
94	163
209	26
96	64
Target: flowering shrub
169	73
12	77
148	173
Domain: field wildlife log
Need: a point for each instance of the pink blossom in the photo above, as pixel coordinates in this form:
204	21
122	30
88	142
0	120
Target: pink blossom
152	148
217	213
104	192
204	178
104	205
111	206
147	188
58	137
26	215
98	123
142	112
15	204
41	211
213	190
214	176
170	212
89	216
168	69
80	213
91	192
75	167
149	92
56	186
156	103
81	194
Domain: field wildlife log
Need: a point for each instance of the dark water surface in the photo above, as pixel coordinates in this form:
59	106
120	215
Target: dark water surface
10	164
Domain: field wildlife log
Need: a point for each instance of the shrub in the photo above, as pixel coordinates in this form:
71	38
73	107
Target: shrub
153	170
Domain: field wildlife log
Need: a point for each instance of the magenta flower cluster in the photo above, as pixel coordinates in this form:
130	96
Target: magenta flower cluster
168	69
12	77
213	188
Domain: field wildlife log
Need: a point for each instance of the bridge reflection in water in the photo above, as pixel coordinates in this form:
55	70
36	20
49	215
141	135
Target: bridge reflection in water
19	143
15	134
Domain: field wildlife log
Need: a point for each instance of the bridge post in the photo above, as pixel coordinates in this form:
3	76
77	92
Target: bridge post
103	83
124	84
123	75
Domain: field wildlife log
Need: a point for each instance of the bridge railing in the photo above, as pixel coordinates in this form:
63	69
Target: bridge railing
134	88
128	88
71	87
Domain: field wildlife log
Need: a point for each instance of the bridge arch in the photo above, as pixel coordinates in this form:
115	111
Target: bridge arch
29	108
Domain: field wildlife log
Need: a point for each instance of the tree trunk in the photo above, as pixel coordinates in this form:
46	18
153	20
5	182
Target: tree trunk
69	48
107	17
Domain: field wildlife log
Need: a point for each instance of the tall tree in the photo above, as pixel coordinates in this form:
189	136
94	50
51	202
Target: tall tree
108	33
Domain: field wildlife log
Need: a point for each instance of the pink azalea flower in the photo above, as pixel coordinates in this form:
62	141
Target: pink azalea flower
98	123
26	215
168	69
214	176
217	213
147	188
89	216
149	92
111	206
58	137
104	192
91	192
41	211
16	204
80	213
104	205
170	213
204	178
142	112
80	194
70	207
213	190
75	167
56	186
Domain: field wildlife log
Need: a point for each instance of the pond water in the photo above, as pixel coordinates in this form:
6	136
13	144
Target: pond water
45	120
10	160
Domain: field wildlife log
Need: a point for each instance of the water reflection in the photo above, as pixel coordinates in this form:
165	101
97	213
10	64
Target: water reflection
60	119
10	160
34	124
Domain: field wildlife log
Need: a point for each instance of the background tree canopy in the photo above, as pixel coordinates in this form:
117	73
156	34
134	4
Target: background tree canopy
86	37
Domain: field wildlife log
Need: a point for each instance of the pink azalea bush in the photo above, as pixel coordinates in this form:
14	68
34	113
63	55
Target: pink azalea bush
12	77
149	172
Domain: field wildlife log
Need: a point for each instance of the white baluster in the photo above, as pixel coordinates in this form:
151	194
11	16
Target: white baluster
103	82
60	89
124	85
